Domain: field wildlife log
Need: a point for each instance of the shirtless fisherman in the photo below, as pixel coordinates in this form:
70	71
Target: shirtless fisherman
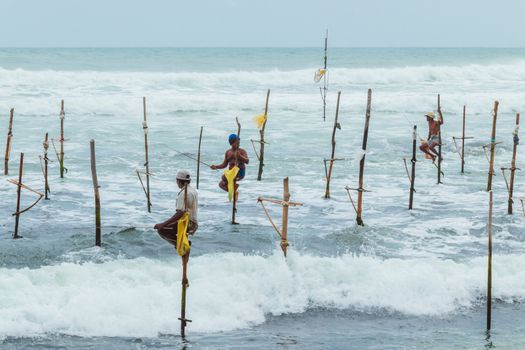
434	129
235	156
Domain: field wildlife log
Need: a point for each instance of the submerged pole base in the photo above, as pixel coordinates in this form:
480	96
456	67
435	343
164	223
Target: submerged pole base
360	221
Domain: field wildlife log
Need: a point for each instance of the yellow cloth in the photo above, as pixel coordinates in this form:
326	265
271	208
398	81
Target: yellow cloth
231	174
259	120
319	74
183	245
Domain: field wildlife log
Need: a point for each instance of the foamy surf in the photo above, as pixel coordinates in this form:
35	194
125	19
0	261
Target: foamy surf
228	291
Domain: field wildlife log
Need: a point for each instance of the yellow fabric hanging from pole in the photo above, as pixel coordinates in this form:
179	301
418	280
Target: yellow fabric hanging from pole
231	174
183	245
259	120
319	74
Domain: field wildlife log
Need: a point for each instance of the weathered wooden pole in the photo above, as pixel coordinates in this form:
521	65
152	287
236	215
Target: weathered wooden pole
492	146
262	142
413	172
98	236
199	158
18	194
489	272
9	139
62	117
324	75
284	230
238	128
439	172
360	190
182	318
146	153
516	141
46	162
463	141
332	157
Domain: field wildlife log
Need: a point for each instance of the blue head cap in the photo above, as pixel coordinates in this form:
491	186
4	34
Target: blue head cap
232	138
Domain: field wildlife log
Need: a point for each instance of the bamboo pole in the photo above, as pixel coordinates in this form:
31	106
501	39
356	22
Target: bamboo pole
513	168
46	162
324	75
62	117
489	272
492	146
362	162
439	172
262	143
332	157
199	158
284	230
413	172
98	236
18	194
146	153
8	145
185	284
463	141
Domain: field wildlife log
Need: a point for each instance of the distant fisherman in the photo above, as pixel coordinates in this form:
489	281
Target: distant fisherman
168	228
434	129
234	157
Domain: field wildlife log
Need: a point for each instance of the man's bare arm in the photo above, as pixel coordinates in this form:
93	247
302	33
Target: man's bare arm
178	214
224	164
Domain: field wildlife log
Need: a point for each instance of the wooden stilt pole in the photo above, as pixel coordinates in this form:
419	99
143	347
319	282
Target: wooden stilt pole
262	143
146	153
489	272
238	128
236	193
98	235
284	230
492	145
439	172
199	158
359	218
8	145
62	117
46	162
413	172
185	284
323	94
516	141
332	157
18	194
463	141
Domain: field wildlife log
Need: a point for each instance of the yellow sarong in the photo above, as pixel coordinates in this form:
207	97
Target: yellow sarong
183	245
231	174
259	120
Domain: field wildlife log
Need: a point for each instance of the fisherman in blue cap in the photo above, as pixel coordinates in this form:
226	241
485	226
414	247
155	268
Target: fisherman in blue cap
235	156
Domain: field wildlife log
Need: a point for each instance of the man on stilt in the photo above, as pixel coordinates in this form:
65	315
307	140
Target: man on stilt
434	129
235	157
187	201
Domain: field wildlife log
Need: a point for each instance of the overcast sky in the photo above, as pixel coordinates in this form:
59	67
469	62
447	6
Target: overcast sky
268	23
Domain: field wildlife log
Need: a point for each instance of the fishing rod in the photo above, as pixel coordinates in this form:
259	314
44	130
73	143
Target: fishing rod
193	158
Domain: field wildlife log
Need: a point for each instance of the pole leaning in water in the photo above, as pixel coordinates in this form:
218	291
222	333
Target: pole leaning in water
9	139
492	146
413	172
328	173
146	153
98	236
18	194
199	158
323	94
61	159
46	163
489	272
360	189
261	141
516	141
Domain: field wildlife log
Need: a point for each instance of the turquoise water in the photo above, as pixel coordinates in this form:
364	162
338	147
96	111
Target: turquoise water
408	279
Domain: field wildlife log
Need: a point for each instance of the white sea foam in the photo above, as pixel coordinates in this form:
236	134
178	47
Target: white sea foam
228	291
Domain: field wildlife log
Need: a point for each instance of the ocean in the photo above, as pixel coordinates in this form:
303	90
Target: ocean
406	280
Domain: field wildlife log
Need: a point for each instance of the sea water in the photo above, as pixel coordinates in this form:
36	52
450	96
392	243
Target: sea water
407	279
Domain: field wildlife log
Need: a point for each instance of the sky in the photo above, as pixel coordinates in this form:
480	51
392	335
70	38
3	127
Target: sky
263	23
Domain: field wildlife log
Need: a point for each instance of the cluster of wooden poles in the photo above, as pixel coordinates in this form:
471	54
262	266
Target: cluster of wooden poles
285	202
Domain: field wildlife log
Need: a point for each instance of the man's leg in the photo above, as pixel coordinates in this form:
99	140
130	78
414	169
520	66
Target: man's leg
224	183
426	149
169	234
